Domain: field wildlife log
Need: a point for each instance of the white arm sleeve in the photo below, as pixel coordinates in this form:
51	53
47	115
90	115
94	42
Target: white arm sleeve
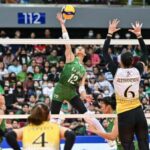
81	89
65	35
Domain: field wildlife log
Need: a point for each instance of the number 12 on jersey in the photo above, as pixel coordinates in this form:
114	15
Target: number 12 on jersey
73	78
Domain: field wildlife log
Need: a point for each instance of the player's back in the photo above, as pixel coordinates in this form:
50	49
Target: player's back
126	84
72	73
43	137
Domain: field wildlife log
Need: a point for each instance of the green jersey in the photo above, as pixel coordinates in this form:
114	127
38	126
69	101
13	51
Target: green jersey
119	146
72	73
69	80
3	128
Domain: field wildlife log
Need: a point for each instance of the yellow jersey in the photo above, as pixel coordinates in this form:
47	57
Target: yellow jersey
43	137
126	85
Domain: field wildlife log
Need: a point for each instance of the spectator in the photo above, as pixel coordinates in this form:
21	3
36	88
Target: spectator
21	76
3	70
104	86
31	67
48	90
8	58
15	67
29	83
37	75
53	58
95	59
60	66
47	34
46	68
23	57
10	98
32	101
24	110
15	124
54	75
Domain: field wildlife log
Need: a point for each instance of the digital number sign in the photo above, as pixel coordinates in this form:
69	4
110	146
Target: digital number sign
31	18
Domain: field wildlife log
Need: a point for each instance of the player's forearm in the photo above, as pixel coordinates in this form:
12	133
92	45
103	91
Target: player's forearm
143	48
108	136
83	95
63	27
105	49
111	65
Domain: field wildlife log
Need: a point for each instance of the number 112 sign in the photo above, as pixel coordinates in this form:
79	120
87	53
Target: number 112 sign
31	18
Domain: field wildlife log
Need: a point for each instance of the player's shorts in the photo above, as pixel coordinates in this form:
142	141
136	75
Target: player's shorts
62	92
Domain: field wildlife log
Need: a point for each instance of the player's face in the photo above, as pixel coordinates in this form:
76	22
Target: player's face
104	107
80	51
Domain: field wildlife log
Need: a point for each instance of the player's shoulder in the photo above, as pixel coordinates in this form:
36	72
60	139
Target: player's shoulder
124	70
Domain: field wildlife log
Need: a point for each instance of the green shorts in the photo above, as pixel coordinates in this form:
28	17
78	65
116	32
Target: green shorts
62	92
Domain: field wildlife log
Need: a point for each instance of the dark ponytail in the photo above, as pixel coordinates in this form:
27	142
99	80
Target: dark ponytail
39	114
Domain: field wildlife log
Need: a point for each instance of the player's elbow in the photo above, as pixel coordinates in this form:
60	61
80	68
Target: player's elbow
113	137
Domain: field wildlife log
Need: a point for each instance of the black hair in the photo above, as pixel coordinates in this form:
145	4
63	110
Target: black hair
140	67
110	101
127	59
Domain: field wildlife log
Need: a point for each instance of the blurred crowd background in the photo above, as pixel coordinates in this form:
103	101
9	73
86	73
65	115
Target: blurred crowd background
28	73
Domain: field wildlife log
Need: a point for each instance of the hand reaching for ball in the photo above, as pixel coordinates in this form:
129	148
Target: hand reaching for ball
60	18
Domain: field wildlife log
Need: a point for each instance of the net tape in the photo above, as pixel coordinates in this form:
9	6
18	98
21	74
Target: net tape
71	41
63	116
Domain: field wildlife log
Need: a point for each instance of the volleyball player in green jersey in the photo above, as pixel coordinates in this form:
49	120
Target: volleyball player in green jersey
108	106
2	121
72	76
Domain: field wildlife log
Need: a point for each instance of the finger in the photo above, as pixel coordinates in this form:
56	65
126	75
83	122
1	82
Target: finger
130	30
118	29
136	23
110	22
141	25
118	21
133	26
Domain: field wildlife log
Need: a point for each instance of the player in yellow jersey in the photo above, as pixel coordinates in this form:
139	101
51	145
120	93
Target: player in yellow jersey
131	118
40	134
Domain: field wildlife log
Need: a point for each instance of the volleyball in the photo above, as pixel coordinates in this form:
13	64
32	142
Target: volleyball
68	12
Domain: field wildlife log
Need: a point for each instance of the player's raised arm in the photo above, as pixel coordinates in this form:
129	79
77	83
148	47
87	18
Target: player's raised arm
136	29
113	27
82	90
68	53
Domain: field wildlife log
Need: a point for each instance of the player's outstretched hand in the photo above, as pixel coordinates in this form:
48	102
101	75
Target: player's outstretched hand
60	18
89	98
136	28
113	26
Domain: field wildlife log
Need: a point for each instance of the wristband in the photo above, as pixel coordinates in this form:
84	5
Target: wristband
139	36
109	34
65	35
82	89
